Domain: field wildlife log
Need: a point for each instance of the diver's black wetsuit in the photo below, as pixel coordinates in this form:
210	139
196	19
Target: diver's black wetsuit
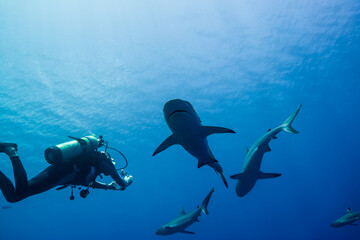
82	171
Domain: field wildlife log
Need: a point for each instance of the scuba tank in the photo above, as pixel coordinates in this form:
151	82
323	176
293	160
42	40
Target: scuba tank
66	151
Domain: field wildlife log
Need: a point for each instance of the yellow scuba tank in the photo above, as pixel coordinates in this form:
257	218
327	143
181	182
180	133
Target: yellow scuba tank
67	151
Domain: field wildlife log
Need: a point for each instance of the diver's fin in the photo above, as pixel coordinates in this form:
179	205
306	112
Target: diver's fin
208	130
286	126
182	212
238	176
268	175
171	140
5	145
186	231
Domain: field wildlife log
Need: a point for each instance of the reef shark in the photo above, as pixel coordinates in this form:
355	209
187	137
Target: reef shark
187	130
250	172
348	219
185	219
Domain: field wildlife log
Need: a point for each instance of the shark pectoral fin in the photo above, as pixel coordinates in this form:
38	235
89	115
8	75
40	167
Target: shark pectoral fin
353	224
208	130
237	176
171	140
186	231
268	175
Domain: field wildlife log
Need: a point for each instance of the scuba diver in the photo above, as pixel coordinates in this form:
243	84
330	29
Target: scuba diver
74	163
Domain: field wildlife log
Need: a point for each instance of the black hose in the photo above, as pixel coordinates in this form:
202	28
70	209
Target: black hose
126	161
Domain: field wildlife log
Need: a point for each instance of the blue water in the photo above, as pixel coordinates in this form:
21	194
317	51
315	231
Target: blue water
108	67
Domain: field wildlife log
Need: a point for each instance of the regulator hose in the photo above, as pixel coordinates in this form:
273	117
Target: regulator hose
126	161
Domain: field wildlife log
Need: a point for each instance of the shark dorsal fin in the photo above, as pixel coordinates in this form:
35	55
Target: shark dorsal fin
182	211
348	210
269	129
247	150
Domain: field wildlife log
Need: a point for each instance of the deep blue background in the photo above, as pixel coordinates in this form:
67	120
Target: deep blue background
108	67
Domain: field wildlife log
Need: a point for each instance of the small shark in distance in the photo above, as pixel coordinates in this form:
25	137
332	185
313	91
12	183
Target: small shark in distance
348	219
187	131
184	220
250	172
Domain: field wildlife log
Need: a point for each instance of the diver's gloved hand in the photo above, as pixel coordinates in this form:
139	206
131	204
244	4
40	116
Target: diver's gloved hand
113	185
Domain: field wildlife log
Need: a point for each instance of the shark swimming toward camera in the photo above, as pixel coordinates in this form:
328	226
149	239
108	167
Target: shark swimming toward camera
348	219
187	130
251	167
185	219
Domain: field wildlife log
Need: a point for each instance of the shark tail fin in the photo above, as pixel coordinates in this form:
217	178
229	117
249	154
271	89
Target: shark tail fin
286	126
223	179
218	169
206	202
